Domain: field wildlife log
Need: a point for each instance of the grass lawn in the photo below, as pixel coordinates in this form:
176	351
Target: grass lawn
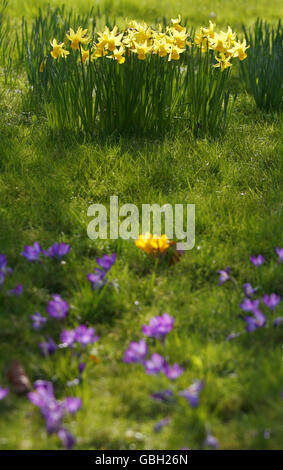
47	183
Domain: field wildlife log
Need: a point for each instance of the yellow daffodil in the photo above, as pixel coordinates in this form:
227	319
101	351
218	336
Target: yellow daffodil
98	52
109	39
201	41
42	65
162	48
58	49
239	50
118	54
209	32
223	62
179	38
142	32
219	43
85	55
176	24
142	50
152	244
80	37
175	53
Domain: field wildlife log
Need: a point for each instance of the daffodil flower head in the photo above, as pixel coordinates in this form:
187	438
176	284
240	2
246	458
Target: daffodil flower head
58	49
176	24
223	62
80	37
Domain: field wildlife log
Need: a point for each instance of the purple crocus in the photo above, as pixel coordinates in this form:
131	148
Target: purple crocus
257	321
4	269
279	252
43	393
38	320
48	347
192	393
72	404
85	335
233	336
249	290
57	308
224	275
17	291
82	366
106	262
163	396
155	364
32	252
257	260
211	441
136	352
3	392
160	425
58	250
173	372
271	300
68	337
250	305
66	438
159	326
277	321
97	279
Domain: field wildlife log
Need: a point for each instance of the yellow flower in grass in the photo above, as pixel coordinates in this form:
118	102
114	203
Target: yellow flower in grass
209	32
85	55
80	37
152	244
110	40
58	49
142	32
118	54
239	50
142	50
223	62
175	53
179	37
176	24
219	43
201	41
161	47
98	52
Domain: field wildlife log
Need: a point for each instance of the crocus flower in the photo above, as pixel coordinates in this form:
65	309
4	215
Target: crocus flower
3	269
38	320
279	252
159	326
72	404
85	335
3	392
250	305
233	336
271	300
160	425
192	393
224	275
211	441
173	372
155	364
136	352
249	290
32	253
257	260
82	366
106	262
43	393
68	337
57	308
48	347
257	321
97	279
18	290
66	438
277	321
163	396
58	250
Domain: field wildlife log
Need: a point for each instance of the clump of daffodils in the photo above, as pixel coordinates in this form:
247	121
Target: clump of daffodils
138	39
142	40
152	244
224	44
